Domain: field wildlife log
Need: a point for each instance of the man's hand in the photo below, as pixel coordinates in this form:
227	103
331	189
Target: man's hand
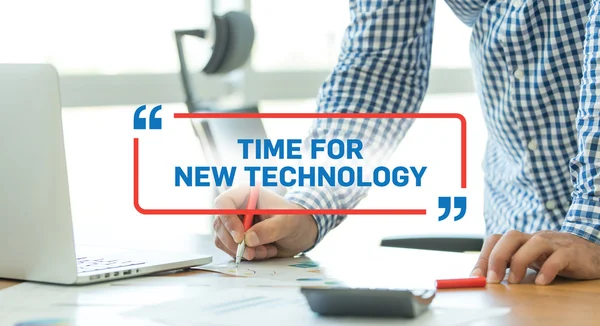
271	235
550	253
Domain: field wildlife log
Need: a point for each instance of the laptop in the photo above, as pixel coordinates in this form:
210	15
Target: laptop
36	227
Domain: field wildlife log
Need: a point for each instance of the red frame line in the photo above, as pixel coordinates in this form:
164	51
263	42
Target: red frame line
141	210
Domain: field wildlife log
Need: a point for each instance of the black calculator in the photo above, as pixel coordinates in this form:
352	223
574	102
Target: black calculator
368	302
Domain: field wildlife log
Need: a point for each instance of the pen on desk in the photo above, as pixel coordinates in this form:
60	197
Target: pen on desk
248	218
459	283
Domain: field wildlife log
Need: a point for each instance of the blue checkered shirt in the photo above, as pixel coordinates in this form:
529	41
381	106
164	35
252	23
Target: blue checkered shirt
536	72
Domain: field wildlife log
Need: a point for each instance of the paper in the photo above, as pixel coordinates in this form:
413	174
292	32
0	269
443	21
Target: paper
265	293
283	307
103	294
201	281
69	317
301	271
98	304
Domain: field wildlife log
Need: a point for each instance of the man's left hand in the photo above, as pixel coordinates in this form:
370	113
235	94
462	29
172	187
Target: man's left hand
550	253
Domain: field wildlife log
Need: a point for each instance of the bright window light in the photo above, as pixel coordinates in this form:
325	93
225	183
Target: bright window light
297	42
108	37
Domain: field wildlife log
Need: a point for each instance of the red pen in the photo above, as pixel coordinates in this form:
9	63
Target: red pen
459	283
248	218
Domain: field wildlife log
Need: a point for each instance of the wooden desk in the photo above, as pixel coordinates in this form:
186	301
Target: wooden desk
562	303
6	283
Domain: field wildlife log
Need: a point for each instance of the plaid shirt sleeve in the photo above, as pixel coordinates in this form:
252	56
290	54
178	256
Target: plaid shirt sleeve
383	68
583	217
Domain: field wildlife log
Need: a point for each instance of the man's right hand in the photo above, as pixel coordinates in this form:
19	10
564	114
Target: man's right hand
271	235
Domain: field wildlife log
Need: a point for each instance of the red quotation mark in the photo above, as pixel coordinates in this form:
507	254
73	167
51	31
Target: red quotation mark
171	211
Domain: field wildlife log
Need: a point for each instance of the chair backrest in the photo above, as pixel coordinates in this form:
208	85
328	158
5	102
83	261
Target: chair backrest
460	243
219	139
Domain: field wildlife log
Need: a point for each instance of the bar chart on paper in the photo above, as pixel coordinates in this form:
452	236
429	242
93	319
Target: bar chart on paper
285	306
300	271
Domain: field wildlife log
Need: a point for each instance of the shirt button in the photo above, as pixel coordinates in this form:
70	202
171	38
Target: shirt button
519	74
532	145
550	205
517	3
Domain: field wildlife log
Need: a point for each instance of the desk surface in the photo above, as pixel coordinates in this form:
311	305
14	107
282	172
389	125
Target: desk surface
563	302
5	283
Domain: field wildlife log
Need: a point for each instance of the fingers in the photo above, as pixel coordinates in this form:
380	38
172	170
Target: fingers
533	249
481	266
270	236
552	253
226	243
557	262
256	253
232	199
260	252
249	253
233	226
265	252
267	231
221	246
502	253
224	236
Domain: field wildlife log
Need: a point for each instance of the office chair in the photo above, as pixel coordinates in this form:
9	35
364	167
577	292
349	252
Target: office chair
459	243
233	36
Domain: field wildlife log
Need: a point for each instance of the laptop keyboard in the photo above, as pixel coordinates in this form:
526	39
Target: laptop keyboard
90	264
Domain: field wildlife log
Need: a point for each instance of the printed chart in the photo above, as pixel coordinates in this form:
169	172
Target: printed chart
300	271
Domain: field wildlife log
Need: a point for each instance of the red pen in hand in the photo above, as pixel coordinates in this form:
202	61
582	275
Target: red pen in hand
248	218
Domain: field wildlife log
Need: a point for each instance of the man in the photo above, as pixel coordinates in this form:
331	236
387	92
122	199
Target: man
536	72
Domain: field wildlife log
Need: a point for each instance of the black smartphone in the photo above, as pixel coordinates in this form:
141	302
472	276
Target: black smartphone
367	302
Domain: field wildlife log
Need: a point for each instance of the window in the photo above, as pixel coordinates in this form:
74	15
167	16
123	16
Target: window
108	37
298	35
311	37
450	40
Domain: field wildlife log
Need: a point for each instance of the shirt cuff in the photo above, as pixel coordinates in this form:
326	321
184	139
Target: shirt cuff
583	220
317	198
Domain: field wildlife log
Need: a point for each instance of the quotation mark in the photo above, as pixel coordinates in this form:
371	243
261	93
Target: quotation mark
154	122
446	204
